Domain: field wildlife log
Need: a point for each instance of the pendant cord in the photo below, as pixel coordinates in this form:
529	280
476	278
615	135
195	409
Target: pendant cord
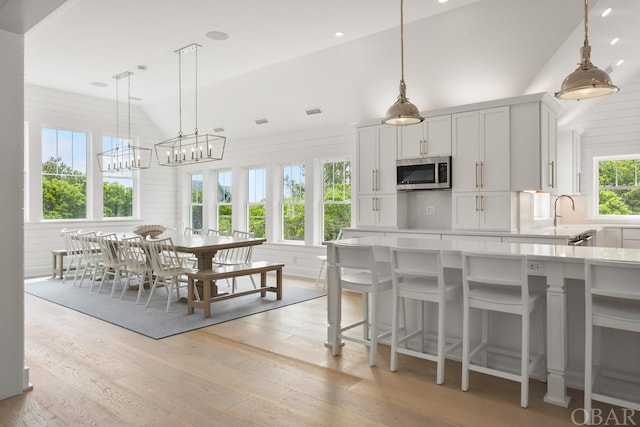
586	22
196	91
180	89
402	39
129	109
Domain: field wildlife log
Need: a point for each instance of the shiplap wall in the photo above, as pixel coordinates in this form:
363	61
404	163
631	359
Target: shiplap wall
163	198
612	127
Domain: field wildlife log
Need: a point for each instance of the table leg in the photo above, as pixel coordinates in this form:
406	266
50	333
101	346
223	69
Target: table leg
557	345
263	283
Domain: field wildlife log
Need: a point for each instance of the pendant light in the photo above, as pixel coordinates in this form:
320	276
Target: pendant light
121	158
587	81
402	112
191	148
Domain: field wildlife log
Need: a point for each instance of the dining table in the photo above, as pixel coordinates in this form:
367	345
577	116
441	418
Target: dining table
204	247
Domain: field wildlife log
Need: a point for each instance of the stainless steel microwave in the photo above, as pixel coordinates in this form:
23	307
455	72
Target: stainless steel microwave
427	173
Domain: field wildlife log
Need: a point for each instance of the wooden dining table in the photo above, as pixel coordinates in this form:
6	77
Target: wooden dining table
204	248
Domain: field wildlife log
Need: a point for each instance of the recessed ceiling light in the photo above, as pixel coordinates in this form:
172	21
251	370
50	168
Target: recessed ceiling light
261	121
442	1
217	35
605	12
99	84
614	41
339	34
619	62
313	110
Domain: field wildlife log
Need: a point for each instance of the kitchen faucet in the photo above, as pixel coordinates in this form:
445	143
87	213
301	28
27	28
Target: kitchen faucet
555	207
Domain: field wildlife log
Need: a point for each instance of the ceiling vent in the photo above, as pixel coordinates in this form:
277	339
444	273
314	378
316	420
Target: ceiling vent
220	129
261	121
312	111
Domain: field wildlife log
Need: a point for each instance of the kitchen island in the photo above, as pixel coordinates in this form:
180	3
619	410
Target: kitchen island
562	269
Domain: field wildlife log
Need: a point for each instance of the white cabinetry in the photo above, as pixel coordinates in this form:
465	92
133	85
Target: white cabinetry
631	238
480	141
492	210
533	144
569	158
377	199
480	171
431	138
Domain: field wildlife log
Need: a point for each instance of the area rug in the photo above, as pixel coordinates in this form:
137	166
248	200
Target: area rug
154	321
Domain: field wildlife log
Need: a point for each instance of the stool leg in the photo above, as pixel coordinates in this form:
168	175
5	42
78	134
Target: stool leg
524	366
465	345
393	365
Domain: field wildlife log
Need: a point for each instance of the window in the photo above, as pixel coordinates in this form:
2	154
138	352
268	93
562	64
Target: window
336	202
256	207
618	187
117	186
196	201
64	174
293	202
224	201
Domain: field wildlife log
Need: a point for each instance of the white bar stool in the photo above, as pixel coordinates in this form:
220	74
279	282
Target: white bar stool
499	283
612	300
417	274
358	271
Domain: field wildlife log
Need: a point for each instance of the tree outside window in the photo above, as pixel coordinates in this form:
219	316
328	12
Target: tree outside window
293	202
64	174
256	207
336	205
224	201
117	186
196	201
618	188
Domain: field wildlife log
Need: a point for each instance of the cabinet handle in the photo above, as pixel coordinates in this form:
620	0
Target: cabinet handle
482	203
373	204
553	169
579	176
481	174
373	180
552	173
377	179
377	205
477	176
425	147
477	209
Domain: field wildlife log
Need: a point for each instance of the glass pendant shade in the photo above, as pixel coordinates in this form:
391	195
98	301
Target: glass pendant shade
587	81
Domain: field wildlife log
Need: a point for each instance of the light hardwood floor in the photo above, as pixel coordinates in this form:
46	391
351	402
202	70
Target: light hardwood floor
269	369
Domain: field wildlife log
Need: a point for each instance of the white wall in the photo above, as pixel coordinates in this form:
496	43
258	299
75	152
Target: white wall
612	127
13	375
164	195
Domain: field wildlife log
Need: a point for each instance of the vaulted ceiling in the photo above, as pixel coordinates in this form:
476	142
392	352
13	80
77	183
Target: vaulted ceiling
282	57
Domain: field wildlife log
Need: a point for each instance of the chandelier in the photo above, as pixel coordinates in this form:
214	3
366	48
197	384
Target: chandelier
121	158
195	147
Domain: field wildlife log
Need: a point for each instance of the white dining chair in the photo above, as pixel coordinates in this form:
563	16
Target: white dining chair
418	275
358	271
138	264
612	301
113	263
92	265
167	268
499	283
322	274
74	253
237	255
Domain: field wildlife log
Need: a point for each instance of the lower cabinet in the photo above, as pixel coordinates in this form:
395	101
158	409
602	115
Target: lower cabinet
631	238
475	210
381	210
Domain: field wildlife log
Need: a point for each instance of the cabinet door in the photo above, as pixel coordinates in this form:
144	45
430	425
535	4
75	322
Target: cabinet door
548	148
387	210
494	149
386	158
465	139
495	211
465	210
366	155
411	142
366	211
437	136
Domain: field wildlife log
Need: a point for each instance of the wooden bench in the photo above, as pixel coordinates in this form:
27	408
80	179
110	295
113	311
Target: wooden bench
209	292
58	262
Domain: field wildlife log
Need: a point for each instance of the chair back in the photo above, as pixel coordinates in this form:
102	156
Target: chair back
89	246
213	232
110	248
496	274
163	254
355	257
71	242
239	255
134	254
190	230
407	263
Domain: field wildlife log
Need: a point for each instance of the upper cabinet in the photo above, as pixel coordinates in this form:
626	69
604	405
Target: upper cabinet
377	201
569	157
534	164
480	141
431	138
